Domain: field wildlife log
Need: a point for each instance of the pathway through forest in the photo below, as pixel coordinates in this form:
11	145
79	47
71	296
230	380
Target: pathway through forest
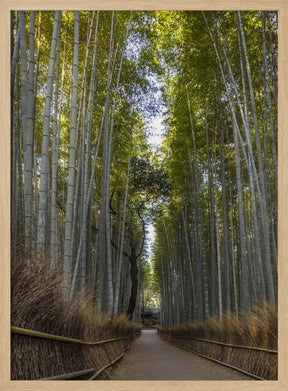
151	358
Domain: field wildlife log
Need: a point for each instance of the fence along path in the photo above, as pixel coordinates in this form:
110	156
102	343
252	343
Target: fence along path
76	374
149	348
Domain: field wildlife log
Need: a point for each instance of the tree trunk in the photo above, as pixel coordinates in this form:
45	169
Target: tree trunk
120	260
104	241
134	281
67	267
213	256
55	155
43	195
226	251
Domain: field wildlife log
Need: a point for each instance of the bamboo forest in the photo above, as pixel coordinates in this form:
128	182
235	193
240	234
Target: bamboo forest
143	187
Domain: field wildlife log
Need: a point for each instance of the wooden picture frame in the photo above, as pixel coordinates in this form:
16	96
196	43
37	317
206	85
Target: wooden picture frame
5	7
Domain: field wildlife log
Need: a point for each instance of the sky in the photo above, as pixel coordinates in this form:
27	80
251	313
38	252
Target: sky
156	134
150	239
155	139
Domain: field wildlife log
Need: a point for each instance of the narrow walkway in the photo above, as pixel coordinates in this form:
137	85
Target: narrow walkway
151	358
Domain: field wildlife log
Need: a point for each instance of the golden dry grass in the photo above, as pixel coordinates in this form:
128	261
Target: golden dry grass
259	328
37	304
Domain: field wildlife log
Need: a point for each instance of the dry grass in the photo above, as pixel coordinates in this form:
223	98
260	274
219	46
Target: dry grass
37	304
257	328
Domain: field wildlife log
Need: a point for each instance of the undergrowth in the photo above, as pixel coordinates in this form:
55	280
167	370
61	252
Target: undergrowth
257	328
37	303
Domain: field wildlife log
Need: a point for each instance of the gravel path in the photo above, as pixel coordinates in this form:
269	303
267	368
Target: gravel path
151	358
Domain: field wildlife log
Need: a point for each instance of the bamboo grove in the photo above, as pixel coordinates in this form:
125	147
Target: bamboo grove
216	242
85	182
81	170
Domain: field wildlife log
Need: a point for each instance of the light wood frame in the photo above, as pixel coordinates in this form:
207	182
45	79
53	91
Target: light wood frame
5	7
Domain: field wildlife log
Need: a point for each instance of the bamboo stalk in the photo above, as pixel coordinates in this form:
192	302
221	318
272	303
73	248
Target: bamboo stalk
107	366
71	375
221	363
227	344
38	334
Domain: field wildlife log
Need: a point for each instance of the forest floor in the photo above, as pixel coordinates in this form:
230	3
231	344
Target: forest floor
151	358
